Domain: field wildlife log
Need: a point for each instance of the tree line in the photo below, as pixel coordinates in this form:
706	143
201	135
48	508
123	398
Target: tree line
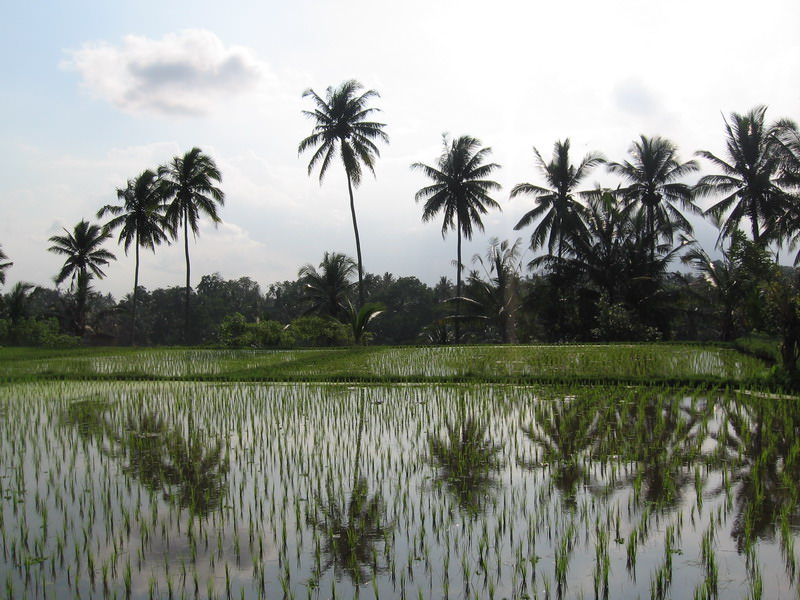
604	268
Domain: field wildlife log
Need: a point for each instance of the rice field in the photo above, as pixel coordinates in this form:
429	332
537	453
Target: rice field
637	363
179	489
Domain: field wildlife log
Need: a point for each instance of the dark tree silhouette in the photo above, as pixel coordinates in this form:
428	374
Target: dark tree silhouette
342	127
460	190
85	256
654	175
749	181
140	217
188	185
556	205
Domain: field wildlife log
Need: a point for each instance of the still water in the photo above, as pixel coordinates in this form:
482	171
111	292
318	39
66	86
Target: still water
184	490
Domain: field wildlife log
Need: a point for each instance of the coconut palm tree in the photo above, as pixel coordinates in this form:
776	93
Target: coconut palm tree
749	182
140	217
653	176
85	257
460	190
328	289
497	296
4	266
188	184
342	127
787	146
556	205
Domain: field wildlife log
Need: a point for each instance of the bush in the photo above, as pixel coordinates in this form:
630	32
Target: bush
236	332
318	331
44	333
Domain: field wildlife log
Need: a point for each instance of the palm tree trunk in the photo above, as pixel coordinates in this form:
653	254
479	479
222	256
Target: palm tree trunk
188	279
458	279
135	292
358	244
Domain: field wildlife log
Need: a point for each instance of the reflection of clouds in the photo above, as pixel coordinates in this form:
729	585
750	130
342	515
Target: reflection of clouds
181	74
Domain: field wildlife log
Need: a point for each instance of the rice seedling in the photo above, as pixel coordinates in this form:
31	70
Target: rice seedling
244	490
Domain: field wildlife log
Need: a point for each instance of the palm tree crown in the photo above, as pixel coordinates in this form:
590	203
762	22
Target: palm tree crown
556	205
343	127
460	190
749	182
82	247
85	257
140	219
188	184
328	288
653	175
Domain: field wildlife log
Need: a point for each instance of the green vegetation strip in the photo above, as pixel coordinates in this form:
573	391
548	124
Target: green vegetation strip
635	364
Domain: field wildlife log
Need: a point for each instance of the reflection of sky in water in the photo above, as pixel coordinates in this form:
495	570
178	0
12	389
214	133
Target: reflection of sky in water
289	448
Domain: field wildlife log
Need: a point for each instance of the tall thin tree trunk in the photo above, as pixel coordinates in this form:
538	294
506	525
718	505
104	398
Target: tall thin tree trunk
458	279
358	244
188	277
135	293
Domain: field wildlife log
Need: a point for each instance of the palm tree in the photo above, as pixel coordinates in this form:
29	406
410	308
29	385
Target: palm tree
787	146
328	289
141	219
188	185
85	257
342	127
556	205
496	297
750	181
3	266
653	175
460	190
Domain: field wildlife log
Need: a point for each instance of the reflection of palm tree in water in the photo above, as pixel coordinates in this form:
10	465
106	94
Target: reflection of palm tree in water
764	444
662	437
466	462
351	529
189	471
564	431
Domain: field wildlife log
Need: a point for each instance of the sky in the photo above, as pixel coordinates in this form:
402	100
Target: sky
95	92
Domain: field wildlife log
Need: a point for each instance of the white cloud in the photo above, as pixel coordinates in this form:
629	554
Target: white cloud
186	73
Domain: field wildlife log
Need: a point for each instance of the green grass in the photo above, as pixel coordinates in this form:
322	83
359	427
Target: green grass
673	364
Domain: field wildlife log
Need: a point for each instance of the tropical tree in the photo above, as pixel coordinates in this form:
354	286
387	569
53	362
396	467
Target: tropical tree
654	175
85	257
360	319
496	296
328	289
749	181
342	126
556	205
4	266
140	218
460	190
787	144
188	184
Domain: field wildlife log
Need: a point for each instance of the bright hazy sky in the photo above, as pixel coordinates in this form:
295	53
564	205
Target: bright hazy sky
94	92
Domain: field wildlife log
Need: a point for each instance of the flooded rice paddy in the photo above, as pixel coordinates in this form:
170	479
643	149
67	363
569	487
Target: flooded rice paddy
197	490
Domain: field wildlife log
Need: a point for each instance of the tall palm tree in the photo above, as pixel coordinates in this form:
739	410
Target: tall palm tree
328	289
653	175
787	146
4	266
188	183
342	127
85	257
749	180
141	221
556	205
460	190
